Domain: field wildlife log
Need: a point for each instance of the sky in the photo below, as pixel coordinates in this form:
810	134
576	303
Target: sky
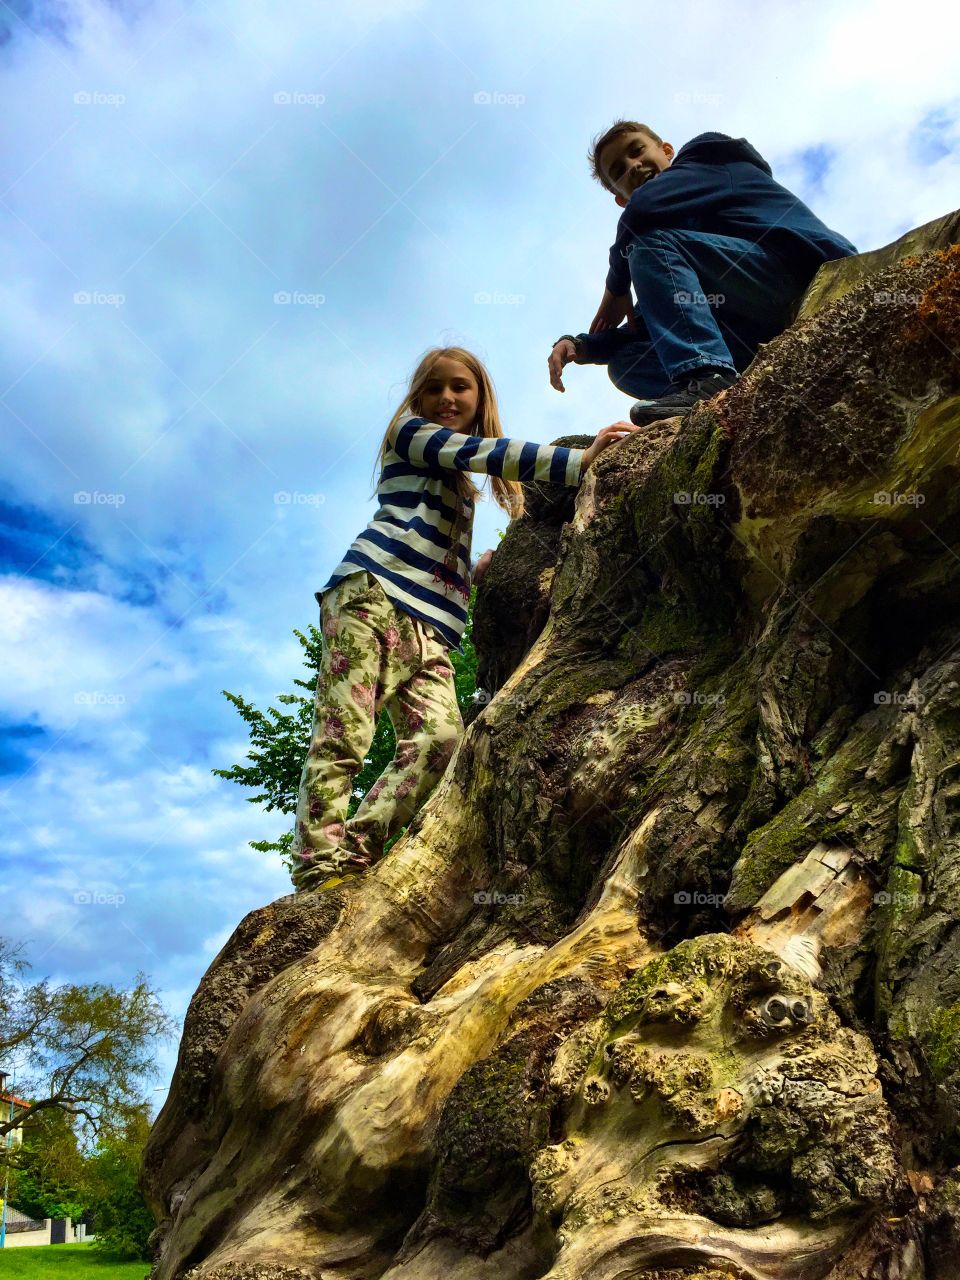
229	230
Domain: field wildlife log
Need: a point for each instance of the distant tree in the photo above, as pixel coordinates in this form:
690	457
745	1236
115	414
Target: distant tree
122	1222
47	1172
83	1051
279	739
51	1177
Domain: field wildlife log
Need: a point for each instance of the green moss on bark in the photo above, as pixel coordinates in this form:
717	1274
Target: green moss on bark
942	1044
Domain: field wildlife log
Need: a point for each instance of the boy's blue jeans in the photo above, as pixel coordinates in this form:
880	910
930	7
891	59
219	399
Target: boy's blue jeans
701	300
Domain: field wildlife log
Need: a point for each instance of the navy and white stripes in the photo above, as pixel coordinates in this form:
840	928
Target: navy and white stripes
405	543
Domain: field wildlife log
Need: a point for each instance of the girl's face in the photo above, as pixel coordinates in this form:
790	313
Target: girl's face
450	396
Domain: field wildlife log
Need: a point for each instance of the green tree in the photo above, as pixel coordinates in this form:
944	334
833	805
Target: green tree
52	1177
122	1222
279	739
84	1050
47	1173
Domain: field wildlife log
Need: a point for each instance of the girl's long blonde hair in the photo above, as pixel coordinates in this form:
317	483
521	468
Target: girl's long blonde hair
508	494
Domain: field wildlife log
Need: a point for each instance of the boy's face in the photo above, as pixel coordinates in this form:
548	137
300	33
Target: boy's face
450	395
631	160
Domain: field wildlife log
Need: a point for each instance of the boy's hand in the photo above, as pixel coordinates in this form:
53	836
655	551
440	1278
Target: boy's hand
613	310
606	436
561	354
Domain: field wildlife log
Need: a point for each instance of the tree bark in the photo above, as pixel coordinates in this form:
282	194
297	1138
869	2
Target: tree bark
664	980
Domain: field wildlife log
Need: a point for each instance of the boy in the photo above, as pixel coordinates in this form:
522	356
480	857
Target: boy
718	254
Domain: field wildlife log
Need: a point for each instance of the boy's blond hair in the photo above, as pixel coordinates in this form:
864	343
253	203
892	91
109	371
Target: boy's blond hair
616	130
508	494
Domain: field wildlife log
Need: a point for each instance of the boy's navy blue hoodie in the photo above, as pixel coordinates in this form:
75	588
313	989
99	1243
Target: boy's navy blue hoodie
723	186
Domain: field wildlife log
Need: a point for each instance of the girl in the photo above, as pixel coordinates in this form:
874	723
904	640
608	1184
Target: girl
397	603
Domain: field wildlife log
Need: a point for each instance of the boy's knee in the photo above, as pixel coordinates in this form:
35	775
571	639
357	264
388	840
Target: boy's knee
629	369
623	364
617	370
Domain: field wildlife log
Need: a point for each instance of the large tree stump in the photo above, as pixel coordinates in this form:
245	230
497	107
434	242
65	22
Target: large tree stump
664	980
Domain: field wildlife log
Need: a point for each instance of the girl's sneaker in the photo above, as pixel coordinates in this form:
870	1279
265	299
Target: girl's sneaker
351	868
331	882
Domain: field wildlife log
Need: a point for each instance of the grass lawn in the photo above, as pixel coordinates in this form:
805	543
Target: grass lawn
63	1262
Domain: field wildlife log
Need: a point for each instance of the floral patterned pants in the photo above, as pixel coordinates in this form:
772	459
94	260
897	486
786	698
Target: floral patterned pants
374	656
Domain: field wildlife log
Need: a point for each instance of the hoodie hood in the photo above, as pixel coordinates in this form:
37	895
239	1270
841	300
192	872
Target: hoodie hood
718	148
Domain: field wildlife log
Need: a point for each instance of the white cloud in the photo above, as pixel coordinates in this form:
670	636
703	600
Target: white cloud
73	657
132	870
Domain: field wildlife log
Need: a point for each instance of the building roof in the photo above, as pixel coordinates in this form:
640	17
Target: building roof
17	1102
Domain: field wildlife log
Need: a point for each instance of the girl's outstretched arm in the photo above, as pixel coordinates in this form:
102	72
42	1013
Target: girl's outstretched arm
425	444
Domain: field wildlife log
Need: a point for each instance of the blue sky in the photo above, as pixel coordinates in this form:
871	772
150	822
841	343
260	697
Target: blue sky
170	169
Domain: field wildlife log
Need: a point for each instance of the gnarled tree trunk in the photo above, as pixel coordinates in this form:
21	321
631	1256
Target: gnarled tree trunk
664	980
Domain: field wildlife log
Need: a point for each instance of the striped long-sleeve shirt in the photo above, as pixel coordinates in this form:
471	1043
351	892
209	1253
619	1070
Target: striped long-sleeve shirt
405	543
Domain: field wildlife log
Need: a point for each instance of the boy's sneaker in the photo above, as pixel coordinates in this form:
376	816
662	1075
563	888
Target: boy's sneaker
706	384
